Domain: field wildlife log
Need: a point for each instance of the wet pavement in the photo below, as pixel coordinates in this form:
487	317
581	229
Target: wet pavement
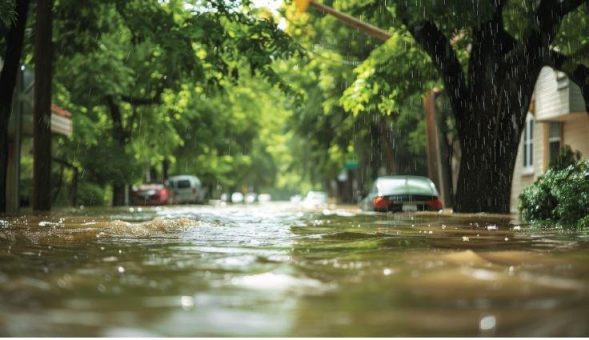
277	270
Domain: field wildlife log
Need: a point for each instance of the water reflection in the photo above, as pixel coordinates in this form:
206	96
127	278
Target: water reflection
273	270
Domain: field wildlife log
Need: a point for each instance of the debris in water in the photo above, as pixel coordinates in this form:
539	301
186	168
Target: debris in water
487	323
465	238
187	302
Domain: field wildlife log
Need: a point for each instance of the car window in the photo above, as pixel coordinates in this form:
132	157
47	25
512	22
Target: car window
183	184
406	185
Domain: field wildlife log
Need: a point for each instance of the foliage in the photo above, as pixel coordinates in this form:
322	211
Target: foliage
91	194
356	97
7	13
566	158
153	81
560	195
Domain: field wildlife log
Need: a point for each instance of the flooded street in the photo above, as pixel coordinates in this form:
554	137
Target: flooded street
276	270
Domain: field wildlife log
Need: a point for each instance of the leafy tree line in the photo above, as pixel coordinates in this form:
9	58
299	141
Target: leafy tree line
147	79
384	139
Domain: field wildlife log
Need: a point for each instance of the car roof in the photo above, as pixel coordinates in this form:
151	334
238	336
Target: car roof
398	185
179	177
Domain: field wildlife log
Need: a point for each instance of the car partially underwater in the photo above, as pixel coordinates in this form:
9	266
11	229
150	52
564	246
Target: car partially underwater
402	193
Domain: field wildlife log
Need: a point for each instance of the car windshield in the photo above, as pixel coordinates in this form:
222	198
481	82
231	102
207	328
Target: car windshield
183	184
405	185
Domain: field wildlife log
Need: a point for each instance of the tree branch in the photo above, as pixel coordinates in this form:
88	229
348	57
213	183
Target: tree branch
440	50
549	14
138	101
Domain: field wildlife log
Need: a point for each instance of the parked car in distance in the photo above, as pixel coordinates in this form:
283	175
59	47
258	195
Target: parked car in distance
236	197
264	197
402	193
186	189
315	199
296	199
150	194
251	197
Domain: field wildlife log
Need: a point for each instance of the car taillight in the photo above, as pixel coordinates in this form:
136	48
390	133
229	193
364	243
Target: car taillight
163	194
435	204
381	202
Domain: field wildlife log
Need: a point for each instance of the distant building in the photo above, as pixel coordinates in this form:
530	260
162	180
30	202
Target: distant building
20	128
557	117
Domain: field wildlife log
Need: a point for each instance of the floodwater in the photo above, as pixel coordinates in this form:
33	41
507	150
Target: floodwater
275	270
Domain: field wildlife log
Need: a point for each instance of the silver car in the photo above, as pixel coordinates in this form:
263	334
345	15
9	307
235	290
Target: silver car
186	189
402	193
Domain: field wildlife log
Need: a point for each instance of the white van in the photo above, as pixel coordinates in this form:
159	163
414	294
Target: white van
186	189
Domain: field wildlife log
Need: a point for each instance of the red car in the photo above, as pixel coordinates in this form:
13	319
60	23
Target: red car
150	194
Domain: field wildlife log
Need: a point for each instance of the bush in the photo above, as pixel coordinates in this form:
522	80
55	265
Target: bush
91	194
560	195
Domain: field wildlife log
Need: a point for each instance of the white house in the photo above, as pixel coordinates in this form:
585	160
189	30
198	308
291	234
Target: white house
557	117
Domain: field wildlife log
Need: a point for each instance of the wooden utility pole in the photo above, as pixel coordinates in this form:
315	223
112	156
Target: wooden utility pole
349	20
43	56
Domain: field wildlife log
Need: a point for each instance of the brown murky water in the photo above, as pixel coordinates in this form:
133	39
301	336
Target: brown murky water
273	270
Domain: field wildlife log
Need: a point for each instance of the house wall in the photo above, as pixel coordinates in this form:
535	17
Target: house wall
549	100
556	98
576	133
522	179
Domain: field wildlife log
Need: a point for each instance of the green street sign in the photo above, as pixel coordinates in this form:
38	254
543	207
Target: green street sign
351	164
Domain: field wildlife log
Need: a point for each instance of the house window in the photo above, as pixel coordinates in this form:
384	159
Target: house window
528	145
554	140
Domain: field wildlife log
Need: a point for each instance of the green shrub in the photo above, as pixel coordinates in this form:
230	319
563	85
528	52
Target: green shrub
566	157
560	195
91	194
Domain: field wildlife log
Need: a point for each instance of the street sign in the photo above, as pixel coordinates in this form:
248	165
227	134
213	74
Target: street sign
351	164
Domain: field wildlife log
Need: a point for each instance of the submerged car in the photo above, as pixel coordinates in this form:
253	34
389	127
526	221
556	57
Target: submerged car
264	198
315	199
237	197
186	189
150	194
402	193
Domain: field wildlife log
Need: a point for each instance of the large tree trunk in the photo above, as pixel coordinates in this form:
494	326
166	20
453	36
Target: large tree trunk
12	56
489	133
486	169
118	195
120	137
42	107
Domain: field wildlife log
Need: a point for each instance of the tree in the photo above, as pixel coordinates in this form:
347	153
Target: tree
42	106
173	46
13	47
339	113
488	55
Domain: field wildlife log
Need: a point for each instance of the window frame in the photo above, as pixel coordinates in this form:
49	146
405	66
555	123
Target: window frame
528	145
552	139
